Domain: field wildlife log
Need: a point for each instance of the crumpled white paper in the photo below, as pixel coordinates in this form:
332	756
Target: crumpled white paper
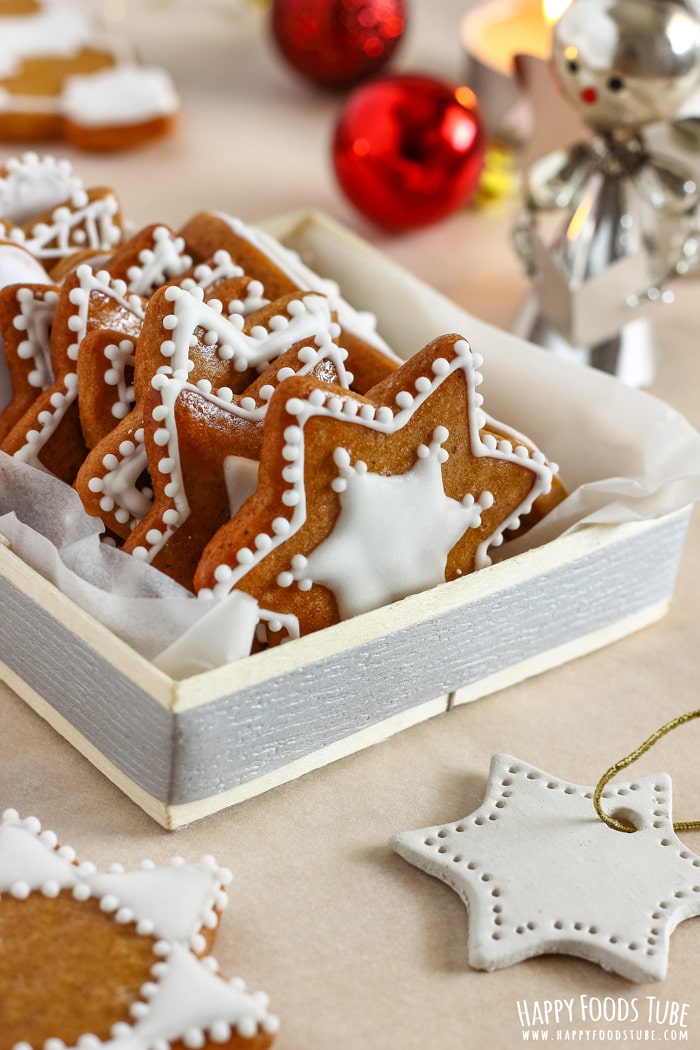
624	456
45	523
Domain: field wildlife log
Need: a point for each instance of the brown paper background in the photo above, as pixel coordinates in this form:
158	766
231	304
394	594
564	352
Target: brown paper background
357	949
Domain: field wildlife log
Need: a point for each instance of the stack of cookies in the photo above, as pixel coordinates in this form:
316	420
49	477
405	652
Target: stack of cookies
234	422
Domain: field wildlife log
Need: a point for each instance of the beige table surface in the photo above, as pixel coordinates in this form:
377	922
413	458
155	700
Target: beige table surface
356	948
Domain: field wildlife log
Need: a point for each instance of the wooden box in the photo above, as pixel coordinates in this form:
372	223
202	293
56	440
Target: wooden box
185	749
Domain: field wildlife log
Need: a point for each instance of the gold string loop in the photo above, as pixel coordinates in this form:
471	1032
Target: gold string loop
621	825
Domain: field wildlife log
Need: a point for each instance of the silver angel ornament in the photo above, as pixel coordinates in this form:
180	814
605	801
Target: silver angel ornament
624	217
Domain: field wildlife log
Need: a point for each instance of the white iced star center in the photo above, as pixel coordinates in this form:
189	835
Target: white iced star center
393	534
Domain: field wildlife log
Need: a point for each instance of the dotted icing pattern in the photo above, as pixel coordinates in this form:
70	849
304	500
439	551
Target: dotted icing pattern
186	999
305	318
115	477
360	323
65	387
36	309
120	358
85	221
538	871
164	259
118	488
308	317
30	184
386	420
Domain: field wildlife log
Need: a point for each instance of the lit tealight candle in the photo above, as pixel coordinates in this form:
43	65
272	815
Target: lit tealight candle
494	34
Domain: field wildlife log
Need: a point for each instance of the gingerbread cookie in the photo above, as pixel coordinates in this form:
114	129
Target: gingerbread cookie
113	481
281	271
49	434
149	259
121	957
64	75
89	221
364	500
26	316
19	266
32	183
202	449
195	361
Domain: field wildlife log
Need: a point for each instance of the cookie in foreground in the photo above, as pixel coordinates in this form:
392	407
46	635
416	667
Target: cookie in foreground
116	959
362	501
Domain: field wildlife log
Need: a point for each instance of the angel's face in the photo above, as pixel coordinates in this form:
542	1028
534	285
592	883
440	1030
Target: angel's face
623	64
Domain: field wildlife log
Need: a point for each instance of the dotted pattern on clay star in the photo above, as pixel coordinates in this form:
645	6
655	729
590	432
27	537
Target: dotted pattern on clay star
540	872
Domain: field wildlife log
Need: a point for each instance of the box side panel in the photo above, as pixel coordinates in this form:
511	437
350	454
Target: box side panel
121	721
249	734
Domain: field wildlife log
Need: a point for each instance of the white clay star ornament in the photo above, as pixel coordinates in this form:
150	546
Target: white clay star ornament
540	872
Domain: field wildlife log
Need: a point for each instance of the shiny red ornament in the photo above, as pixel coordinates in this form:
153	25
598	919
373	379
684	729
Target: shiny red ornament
337	43
409	150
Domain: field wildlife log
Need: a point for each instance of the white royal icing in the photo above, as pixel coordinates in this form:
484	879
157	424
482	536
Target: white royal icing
400	501
120	357
32	184
186	999
306	318
19	266
80	223
57	30
360	323
118	487
120	96
220	267
164	259
61	400
393	535
35	317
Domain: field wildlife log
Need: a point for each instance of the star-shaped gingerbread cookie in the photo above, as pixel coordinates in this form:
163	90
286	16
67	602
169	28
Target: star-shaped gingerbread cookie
49	434
26	317
282	272
203	338
118	959
202	449
364	500
540	872
89	220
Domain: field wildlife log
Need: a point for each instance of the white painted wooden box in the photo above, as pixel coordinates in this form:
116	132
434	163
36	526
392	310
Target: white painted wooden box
184	749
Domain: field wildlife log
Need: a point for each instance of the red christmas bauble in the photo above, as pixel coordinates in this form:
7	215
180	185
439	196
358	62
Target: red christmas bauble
337	43
408	149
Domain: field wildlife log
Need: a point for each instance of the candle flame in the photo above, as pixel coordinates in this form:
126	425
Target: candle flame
554	9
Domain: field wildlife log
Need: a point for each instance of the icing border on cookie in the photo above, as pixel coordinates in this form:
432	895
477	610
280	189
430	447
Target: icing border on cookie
32	184
80	222
359	323
308	317
35	317
382	419
186	998
66	390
